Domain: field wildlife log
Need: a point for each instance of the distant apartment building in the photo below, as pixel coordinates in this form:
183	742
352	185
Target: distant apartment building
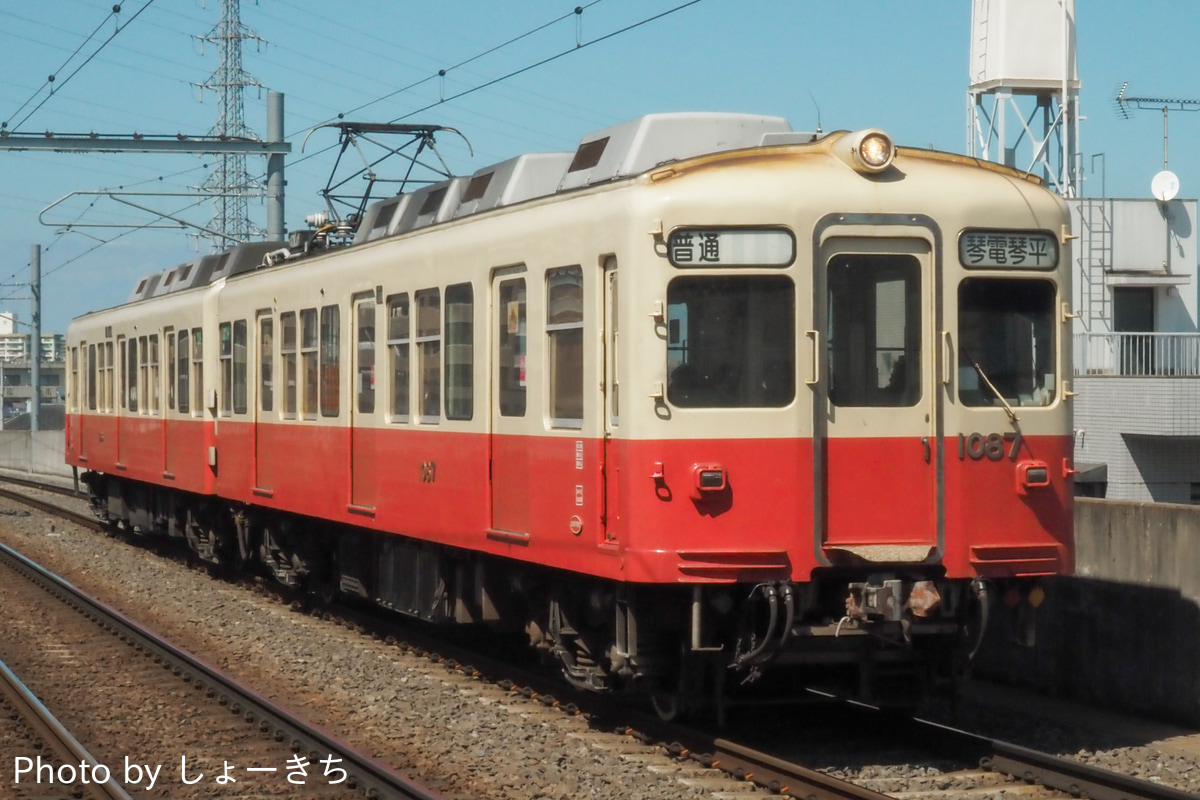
1137	349
14	347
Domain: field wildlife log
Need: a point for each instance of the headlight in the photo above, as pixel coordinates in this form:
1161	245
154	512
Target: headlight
872	150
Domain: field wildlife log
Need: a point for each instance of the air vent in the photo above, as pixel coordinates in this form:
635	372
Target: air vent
642	144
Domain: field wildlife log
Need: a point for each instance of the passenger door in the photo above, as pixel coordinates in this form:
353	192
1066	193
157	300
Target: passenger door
877	406
611	509
264	406
83	388
364	415
510	467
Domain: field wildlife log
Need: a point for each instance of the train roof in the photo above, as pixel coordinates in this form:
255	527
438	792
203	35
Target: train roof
614	153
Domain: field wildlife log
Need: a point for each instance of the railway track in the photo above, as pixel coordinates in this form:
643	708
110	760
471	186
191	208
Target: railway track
134	664
983	762
34	729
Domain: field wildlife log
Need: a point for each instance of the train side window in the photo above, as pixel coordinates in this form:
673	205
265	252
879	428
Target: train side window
266	362
731	341
130	371
92	371
239	367
460	351
225	332
308	357
365	368
511	338
182	374
109	366
398	352
287	350
169	339
143	385
198	371
331	376
874	331
153	374
564	345
429	354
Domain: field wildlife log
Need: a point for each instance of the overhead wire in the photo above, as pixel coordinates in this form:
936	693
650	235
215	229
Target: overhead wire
443	72
86	61
580	45
50	79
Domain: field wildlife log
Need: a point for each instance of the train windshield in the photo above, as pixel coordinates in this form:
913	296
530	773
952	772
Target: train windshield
731	341
1006	342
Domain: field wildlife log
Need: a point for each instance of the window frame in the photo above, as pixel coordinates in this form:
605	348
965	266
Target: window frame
330	361
198	372
512	343
559	341
727	366
309	348
93	376
241	362
458	333
266	362
169	358
225	370
428	341
399	344
183	370
365	354
289	327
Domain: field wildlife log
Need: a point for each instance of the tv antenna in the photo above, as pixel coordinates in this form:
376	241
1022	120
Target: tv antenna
1125	103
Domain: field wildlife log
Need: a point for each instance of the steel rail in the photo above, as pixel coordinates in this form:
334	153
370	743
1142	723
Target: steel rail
378	780
88	521
784	777
777	775
34	483
52	732
1044	769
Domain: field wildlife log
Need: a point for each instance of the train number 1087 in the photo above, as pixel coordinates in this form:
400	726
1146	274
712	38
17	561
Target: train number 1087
978	446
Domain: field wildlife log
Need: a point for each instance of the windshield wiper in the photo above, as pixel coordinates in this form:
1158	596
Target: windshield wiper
1012	415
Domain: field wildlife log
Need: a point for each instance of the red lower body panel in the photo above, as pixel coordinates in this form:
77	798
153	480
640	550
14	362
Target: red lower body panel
663	511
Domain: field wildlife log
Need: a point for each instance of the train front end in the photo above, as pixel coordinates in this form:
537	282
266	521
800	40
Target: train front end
858	447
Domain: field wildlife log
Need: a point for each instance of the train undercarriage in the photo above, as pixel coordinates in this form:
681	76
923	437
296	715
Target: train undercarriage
881	637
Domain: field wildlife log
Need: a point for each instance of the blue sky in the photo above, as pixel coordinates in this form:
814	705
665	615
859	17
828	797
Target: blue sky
900	65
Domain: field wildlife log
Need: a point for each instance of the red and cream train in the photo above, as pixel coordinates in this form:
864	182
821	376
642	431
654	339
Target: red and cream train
702	396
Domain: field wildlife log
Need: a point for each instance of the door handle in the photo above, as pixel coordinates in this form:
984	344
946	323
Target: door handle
816	357
946	363
928	449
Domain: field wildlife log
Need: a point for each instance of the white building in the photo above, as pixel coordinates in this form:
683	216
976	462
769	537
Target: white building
1137	349
14	347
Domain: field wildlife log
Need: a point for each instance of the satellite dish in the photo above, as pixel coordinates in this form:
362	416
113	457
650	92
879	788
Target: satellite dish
1165	185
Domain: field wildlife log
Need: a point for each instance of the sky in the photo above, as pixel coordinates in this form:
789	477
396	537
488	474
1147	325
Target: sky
898	65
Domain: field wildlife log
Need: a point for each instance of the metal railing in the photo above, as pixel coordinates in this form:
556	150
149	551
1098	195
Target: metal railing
1138	354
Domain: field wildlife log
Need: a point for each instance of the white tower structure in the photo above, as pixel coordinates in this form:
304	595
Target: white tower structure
1023	101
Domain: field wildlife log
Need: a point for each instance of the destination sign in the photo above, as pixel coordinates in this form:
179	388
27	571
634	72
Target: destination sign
731	247
1007	250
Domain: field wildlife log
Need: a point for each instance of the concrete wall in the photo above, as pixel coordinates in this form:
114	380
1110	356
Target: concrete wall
1124	632
42	453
